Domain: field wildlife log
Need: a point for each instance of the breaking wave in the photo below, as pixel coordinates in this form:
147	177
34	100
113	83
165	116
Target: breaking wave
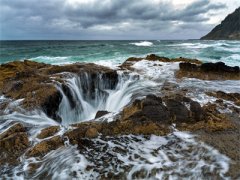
143	43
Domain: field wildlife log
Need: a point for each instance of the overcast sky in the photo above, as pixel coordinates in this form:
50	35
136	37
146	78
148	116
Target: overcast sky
111	19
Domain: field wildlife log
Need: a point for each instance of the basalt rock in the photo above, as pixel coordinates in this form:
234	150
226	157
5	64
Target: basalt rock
196	110
13	143
219	67
100	114
178	110
35	83
208	71
150	108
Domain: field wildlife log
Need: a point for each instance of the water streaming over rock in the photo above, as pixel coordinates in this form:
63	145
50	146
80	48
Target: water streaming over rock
84	95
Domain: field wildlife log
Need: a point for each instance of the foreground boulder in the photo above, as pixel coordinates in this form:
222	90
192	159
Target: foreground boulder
208	71
13	142
36	83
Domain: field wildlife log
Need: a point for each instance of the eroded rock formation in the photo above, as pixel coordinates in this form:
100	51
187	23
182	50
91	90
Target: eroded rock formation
35	83
208	71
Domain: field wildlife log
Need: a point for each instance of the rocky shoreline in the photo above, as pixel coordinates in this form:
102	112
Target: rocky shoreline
35	85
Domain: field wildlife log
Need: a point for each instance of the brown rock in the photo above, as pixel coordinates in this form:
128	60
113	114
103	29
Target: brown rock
212	121
45	146
47	132
13	143
35	83
91	133
234	97
17	127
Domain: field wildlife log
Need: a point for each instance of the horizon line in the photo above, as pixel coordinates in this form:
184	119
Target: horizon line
96	39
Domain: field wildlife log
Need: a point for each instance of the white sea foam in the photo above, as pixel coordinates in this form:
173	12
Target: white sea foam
156	70
2	97
143	43
191	45
232	60
57	60
132	157
232	49
112	63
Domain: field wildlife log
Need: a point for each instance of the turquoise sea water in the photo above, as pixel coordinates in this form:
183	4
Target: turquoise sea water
115	52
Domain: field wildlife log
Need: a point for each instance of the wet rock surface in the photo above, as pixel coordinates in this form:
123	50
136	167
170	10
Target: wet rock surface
227	142
208	71
100	114
48	132
234	97
35	83
13	143
144	117
45	146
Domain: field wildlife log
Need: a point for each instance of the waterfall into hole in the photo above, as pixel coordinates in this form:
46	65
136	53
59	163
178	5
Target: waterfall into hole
84	95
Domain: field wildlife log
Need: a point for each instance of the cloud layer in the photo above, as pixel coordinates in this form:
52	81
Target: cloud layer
106	19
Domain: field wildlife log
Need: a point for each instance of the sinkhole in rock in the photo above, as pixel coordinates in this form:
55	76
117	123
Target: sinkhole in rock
85	94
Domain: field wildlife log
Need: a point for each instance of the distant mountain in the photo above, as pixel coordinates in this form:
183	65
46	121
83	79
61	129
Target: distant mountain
229	29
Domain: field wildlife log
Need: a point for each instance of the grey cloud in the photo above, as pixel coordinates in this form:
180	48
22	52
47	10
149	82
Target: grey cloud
24	19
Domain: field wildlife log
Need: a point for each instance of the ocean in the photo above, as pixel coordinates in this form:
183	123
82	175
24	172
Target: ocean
112	53
178	155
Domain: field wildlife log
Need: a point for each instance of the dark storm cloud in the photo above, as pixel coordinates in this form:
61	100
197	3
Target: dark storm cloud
110	19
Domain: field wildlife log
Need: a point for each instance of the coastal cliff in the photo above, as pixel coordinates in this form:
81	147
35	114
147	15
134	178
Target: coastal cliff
229	29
